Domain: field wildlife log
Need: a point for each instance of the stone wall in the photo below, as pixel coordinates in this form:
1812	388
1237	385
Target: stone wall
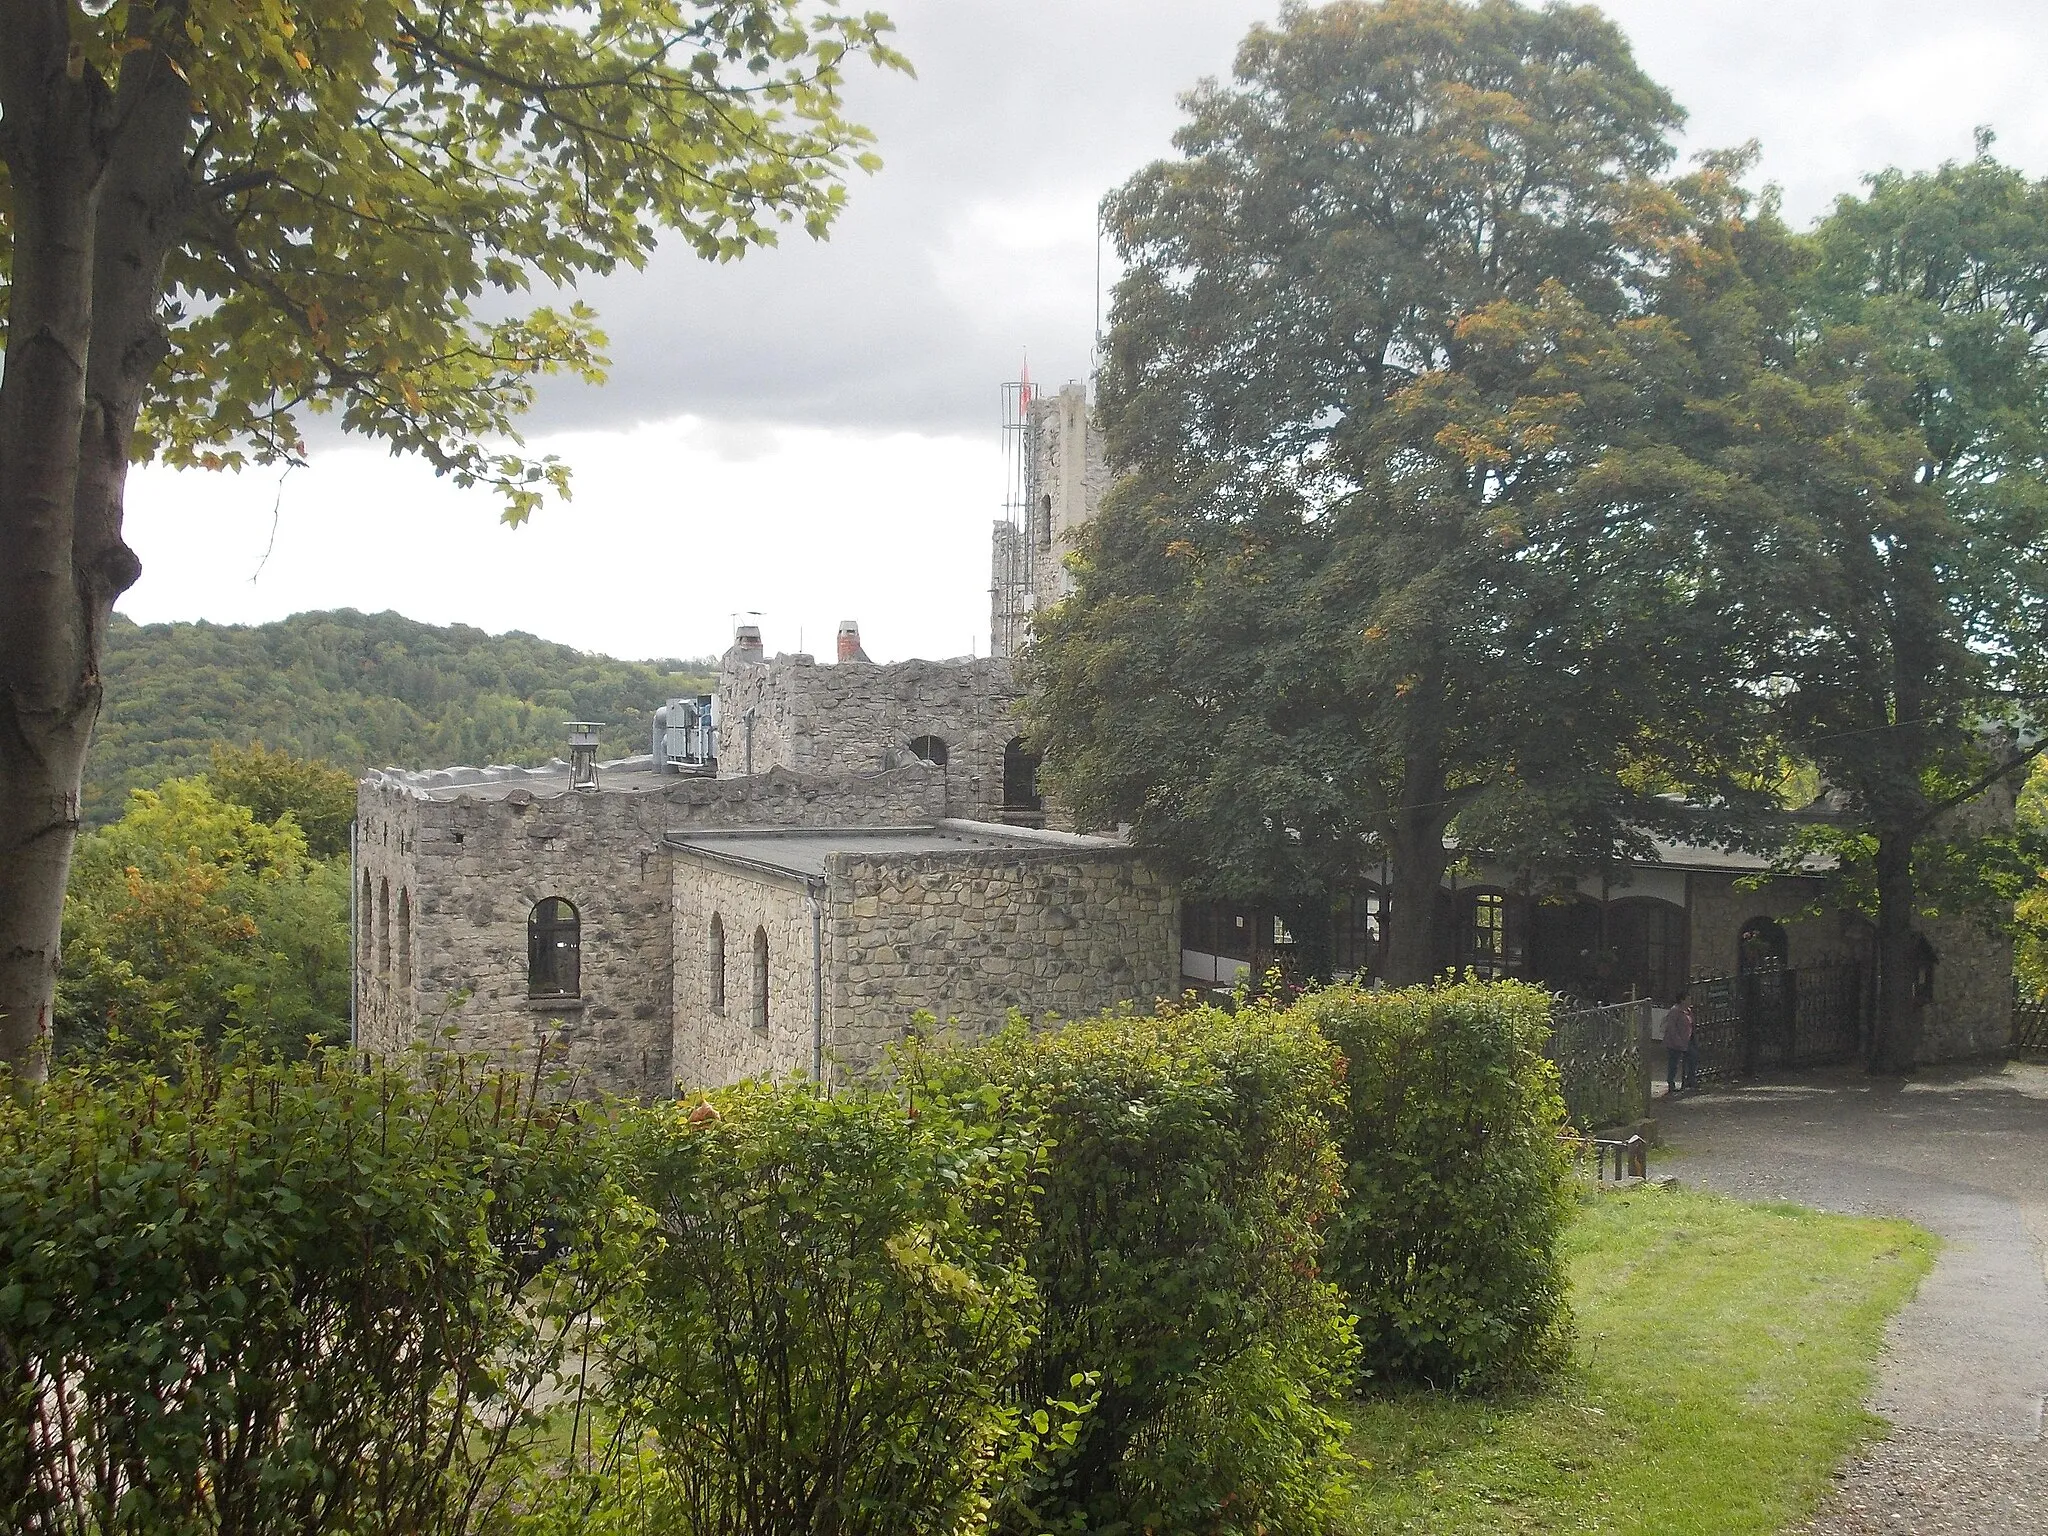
386	902
860	717
467	866
1720	908
1971	1011
969	936
718	1042
1971	1014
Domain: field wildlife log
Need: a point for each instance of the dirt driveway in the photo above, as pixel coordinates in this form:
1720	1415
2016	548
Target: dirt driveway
1965	1368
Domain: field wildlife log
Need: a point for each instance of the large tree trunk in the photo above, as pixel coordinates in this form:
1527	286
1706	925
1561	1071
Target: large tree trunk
1895	1033
99	186
49	689
1419	859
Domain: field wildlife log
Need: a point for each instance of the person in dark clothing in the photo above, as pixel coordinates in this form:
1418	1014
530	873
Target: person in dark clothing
1681	1067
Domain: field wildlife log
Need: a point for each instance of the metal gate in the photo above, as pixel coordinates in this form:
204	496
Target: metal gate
1770	1020
2030	1027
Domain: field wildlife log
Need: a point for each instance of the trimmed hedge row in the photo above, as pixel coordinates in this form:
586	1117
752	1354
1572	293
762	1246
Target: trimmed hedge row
1189	1171
1115	1277
1458	1184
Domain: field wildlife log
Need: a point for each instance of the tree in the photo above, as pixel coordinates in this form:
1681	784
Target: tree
1903	450
220	217
193	918
1406	537
320	797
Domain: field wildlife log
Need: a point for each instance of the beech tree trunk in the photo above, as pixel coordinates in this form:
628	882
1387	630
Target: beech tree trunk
99	192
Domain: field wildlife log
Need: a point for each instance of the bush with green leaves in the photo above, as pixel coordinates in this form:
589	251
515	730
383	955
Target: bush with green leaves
827	1324
1458	1187
1189	1170
292	1298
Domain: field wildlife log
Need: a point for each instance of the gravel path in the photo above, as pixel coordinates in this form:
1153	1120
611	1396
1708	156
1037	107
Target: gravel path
1965	1365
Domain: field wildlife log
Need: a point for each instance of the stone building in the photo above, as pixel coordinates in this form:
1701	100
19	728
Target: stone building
670	923
1693	915
860	717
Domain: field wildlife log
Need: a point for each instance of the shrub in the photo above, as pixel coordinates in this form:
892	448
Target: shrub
1189	1166
1458	1186
821	1340
286	1298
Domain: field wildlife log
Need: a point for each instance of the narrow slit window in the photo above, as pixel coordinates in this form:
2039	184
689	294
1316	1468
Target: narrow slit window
716	964
760	981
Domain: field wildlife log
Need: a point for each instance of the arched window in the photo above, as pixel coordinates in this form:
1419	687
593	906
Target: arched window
760	981
554	949
1020	777
404	938
1762	946
383	927
1648	939
1045	522
1487	946
366	920
716	964
929	749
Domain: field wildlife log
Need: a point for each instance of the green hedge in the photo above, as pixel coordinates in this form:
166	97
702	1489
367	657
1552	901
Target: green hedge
1188	1171
821	1337
286	1299
1457	1185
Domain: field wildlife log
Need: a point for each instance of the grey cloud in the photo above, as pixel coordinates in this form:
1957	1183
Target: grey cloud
975	242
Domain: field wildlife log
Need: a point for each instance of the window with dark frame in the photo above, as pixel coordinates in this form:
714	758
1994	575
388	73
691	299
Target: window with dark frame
1649	943
1359	933
554	949
1486	935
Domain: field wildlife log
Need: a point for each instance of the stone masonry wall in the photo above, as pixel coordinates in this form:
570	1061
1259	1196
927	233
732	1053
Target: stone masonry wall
386	901
469	870
970	936
1720	909
1971	1012
860	717
717	1044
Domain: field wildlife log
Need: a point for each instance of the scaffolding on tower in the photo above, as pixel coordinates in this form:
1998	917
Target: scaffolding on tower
1011	595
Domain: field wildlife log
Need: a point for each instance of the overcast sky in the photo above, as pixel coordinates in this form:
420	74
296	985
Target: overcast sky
811	433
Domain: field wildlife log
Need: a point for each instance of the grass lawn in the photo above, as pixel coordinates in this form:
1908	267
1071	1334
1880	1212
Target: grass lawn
1724	1352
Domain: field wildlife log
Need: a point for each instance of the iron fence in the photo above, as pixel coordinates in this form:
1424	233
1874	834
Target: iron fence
1600	1064
1770	1020
2030	1027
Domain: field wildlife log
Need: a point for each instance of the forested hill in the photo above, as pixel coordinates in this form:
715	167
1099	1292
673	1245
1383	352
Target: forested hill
360	689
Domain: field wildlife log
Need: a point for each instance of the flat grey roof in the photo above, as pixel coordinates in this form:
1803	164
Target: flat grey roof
805	850
622	775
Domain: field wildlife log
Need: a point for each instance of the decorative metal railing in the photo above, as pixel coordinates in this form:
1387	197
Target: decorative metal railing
1766	1021
1600	1063
2030	1027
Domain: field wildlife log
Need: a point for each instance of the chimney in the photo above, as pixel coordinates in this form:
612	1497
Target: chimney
746	644
583	752
849	641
